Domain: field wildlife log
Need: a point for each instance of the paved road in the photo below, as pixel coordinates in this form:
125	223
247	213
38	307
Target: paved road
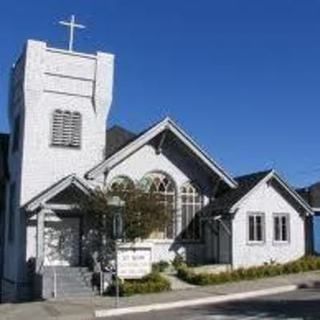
302	304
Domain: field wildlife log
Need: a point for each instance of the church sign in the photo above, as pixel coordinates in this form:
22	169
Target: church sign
134	262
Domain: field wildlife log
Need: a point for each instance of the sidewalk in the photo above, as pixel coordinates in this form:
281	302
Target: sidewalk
84	308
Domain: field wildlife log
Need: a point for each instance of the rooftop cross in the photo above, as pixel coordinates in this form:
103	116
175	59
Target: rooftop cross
72	25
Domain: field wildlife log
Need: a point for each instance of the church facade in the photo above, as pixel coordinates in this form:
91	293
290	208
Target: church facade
60	147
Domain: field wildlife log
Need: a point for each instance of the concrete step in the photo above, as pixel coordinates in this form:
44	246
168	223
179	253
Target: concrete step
72	290
62	272
71	281
74	295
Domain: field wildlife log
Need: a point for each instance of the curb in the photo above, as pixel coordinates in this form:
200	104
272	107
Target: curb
194	302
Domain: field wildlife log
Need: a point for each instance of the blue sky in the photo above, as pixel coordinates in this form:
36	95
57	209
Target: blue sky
242	77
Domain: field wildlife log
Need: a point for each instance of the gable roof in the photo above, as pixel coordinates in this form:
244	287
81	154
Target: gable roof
116	138
246	183
52	191
146	136
231	199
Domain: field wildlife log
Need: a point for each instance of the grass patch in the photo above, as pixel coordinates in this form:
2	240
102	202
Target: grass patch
308	263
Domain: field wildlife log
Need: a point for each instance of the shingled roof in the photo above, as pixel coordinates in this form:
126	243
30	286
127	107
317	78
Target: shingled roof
116	138
225	201
311	194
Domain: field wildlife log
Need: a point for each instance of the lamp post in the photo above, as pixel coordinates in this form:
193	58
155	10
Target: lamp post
117	204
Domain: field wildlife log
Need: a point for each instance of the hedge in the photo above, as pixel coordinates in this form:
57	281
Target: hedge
151	283
160	266
304	264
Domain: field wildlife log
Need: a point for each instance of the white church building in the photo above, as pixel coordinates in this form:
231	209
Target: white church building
60	147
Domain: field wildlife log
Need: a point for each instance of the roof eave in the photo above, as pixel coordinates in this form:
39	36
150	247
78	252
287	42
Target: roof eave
167	123
51	192
292	192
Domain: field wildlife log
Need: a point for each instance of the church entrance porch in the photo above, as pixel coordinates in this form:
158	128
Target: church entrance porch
62	241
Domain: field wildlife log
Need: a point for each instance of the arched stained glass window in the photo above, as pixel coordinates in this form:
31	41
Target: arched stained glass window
163	185
191	205
121	183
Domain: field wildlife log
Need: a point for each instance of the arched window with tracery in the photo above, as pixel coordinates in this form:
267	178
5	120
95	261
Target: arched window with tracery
163	185
191	205
121	183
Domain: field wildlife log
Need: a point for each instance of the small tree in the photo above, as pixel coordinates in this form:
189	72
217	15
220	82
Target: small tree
143	214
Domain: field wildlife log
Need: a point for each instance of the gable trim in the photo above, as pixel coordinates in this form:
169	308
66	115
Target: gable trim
289	190
166	124
58	187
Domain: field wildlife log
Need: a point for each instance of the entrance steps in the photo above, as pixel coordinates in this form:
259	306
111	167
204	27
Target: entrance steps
71	282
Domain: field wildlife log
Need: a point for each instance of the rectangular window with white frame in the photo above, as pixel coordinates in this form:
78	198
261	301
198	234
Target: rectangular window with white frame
281	228
256	227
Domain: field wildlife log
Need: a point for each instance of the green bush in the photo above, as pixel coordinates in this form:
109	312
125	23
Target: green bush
151	283
307	263
160	266
178	261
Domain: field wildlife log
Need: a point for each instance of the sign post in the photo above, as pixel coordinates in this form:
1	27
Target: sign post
117	278
118	205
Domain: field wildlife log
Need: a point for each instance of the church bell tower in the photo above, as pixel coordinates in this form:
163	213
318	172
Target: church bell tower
59	103
65	102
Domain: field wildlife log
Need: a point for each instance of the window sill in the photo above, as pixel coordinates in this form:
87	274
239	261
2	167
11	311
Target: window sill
62	146
256	243
280	243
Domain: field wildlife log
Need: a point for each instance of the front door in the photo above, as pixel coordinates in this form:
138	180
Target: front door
62	242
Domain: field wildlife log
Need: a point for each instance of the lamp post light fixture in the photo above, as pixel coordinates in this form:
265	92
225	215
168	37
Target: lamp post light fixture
117	205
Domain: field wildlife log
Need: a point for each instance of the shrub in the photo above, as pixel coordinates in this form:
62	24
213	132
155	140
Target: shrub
308	263
151	283
178	261
160	266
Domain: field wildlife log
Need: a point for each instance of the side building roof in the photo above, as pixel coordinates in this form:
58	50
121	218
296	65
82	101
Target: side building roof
230	200
311	194
225	201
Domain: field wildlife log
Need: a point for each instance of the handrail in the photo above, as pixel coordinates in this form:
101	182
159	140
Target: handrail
54	292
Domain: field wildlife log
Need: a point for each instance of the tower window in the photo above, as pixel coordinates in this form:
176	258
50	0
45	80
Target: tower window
66	129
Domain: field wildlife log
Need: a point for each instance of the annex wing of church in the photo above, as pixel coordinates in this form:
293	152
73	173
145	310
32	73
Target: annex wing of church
60	147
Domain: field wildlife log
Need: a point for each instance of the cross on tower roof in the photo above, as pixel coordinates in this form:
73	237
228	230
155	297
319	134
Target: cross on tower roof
72	25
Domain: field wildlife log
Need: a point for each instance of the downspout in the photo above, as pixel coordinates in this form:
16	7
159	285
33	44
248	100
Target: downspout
232	214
